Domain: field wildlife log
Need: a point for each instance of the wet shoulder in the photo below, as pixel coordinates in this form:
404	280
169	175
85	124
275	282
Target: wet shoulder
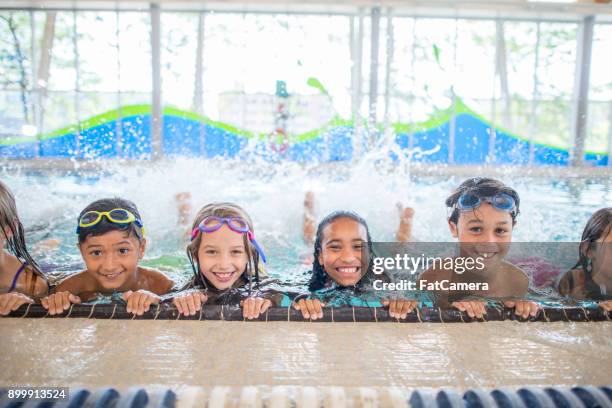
518	278
35	284
78	283
154	281
572	283
7	274
29	282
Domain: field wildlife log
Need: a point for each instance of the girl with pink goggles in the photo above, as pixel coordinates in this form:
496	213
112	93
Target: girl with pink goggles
212	223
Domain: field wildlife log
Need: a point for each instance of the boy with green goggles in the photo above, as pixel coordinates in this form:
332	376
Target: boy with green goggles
112	243
119	216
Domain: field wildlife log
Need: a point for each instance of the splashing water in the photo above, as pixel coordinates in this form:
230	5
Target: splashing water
273	194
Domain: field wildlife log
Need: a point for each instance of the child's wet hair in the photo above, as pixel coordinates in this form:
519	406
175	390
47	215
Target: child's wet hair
9	219
223	210
319	276
104	226
481	187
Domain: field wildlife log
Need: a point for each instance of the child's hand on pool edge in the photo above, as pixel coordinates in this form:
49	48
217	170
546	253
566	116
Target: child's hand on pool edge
310	308
140	301
57	303
523	308
606	305
254	306
473	308
190	303
399	308
12	301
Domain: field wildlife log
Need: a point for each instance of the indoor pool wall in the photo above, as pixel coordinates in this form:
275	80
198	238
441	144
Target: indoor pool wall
474	141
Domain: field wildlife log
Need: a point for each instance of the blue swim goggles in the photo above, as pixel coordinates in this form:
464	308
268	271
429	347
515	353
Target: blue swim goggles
501	201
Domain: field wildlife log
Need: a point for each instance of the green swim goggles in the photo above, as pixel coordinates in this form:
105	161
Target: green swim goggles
119	216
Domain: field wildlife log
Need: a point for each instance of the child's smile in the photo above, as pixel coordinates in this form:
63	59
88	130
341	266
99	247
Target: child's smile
348	271
223	277
111	276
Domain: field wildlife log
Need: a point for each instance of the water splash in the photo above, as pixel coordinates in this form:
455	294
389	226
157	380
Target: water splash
273	193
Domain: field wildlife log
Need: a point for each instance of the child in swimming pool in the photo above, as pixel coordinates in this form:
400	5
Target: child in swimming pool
112	242
21	279
338	263
403	233
225	258
483	215
591	277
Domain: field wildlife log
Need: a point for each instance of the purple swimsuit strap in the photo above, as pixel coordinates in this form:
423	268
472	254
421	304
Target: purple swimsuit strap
19	271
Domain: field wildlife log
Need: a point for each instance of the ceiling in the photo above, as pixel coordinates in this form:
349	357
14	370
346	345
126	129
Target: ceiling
561	10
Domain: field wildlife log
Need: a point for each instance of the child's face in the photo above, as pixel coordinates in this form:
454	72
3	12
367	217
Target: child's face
341	251
484	232
112	258
222	257
601	256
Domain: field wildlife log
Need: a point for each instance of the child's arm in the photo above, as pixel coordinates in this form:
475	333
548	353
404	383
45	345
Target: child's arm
41	287
38	284
474	308
518	287
519	282
572	284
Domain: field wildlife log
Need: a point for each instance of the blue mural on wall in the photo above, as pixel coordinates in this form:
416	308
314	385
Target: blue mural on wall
130	138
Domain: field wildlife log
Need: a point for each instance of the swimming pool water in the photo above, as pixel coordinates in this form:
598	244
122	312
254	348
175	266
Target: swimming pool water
49	202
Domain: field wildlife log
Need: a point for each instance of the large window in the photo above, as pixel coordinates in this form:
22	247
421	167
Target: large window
61	69
246	54
599	138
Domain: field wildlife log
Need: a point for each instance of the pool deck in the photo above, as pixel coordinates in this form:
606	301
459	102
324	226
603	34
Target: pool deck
95	353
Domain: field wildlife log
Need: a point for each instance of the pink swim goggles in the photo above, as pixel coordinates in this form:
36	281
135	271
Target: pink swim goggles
236	224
